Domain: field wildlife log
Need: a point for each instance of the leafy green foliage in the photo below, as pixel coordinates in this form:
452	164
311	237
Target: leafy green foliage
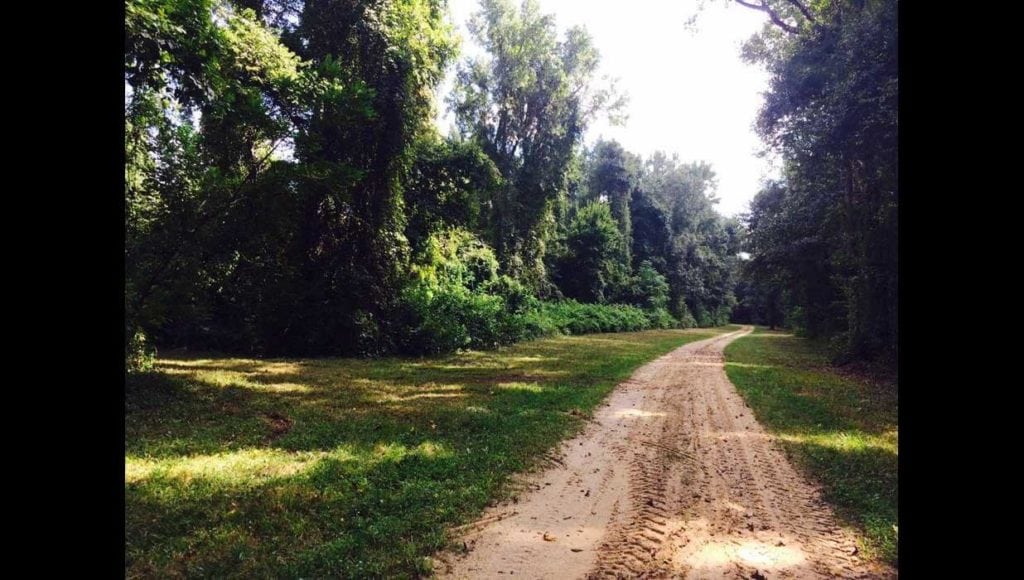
572	317
593	267
138	356
285	192
527	104
824	241
449	185
697	246
612	175
458	301
447	306
306	131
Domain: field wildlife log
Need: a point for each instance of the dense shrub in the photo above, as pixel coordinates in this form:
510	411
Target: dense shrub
138	354
661	318
445	307
447	318
571	317
456	300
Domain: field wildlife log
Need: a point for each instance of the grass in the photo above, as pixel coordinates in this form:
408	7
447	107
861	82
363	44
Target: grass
344	467
841	428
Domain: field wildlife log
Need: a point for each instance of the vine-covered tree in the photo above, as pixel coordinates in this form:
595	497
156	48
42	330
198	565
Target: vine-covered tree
611	177
216	99
527	103
594	266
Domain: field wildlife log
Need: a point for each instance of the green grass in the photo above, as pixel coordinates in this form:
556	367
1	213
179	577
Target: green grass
345	467
842	429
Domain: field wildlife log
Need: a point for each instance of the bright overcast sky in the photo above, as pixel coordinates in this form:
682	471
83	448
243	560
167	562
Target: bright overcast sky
689	92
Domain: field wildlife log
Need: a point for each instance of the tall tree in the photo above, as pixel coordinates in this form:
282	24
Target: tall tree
831	111
355	151
700	259
612	174
528	103
268	146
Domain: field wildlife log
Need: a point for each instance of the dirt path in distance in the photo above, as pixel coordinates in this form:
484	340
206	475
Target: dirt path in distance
674	478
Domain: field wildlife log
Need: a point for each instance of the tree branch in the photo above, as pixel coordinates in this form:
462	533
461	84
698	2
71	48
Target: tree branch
803	10
763	7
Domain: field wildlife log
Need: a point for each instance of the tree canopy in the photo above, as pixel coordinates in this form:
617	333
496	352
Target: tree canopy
824	240
286	191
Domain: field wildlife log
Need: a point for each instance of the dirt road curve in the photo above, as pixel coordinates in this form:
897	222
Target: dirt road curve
673	479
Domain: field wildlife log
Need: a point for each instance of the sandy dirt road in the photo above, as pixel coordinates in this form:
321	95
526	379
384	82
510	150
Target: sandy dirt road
674	478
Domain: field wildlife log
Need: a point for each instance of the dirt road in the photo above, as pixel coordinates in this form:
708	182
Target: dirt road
674	478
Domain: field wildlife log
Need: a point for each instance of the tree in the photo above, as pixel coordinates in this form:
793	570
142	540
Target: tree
267	148
593	266
611	176
527	104
831	112
451	184
210	95
700	254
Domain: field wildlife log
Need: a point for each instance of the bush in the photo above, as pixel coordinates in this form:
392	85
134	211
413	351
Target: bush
650	288
686	320
571	317
456	257
518	298
447	318
661	318
457	301
138	356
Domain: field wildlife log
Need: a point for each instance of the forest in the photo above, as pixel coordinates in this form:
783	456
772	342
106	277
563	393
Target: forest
287	191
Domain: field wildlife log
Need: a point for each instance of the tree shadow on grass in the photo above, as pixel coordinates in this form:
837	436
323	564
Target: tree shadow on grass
211	491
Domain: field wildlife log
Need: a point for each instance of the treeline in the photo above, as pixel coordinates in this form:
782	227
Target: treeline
823	239
286	191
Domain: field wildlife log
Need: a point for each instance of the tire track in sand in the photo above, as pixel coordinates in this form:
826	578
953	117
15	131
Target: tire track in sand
673	479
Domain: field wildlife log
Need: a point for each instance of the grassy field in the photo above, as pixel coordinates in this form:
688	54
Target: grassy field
343	467
841	428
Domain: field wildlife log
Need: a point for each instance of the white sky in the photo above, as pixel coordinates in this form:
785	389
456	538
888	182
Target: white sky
689	92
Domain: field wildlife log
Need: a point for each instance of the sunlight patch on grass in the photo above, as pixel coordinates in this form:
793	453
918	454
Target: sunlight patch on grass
388	393
396	452
748	365
399	399
531	387
232	378
251	465
246	365
846	441
528	359
257	466
280	387
347	467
